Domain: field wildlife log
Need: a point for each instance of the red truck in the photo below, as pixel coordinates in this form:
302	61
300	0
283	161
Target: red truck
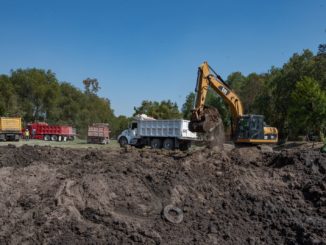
44	131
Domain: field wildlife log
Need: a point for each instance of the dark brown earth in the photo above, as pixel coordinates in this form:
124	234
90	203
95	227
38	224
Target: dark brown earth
243	196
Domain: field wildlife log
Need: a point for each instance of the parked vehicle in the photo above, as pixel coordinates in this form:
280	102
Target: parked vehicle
44	131
98	133
10	128
167	134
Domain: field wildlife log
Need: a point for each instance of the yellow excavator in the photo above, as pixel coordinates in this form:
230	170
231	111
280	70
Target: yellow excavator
248	128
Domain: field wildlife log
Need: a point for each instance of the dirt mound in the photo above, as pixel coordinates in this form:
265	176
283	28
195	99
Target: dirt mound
245	196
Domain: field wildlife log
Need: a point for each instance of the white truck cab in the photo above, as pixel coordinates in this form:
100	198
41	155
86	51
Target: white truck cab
127	135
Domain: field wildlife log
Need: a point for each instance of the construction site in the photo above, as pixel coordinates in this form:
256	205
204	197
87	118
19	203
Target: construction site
247	195
168	181
163	122
171	181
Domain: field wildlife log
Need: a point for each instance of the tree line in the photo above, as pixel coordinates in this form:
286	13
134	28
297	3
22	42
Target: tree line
36	95
292	98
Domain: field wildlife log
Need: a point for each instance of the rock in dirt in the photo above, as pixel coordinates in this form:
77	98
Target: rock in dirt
265	148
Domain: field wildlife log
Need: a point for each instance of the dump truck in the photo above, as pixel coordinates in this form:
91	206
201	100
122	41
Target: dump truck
44	131
10	128
167	134
98	133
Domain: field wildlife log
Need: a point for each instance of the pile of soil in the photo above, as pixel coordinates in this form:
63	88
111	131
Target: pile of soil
242	196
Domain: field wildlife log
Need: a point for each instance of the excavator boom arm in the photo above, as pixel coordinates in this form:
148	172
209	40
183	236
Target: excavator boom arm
205	80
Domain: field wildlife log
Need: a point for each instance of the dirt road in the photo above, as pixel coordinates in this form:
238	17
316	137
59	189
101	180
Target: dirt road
115	196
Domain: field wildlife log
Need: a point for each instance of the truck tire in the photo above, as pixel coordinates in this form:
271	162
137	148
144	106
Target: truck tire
47	137
168	144
17	137
176	218
156	143
184	146
54	137
123	141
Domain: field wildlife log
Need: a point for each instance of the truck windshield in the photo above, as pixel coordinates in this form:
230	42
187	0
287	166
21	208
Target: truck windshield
133	125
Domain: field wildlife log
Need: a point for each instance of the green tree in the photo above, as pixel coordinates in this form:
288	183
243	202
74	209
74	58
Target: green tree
264	102
37	91
9	105
308	112
252	87
118	124
159	110
37	95
319	70
91	85
236	81
188	105
282	86
147	107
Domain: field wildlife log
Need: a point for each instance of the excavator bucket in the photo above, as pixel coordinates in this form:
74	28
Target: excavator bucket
206	122
210	124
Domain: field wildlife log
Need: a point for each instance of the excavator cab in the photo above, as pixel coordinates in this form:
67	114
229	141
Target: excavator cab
250	127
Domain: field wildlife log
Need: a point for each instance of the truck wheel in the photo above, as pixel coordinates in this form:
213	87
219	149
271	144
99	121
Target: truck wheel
47	137
123	141
54	138
156	144
168	144
184	146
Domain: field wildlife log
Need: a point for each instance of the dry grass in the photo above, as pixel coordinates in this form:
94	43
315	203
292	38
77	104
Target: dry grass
78	143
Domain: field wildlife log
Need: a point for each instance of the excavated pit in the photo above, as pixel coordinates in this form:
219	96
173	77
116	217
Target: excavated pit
240	196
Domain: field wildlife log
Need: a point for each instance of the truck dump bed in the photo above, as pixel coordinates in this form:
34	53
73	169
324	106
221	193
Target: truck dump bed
98	133
165	128
10	124
43	131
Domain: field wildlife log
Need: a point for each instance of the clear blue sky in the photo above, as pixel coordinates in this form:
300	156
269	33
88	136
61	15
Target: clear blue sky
150	49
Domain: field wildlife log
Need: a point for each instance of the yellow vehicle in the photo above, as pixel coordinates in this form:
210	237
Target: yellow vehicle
244	128
10	128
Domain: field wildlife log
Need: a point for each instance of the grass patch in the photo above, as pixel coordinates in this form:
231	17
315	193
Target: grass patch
77	143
